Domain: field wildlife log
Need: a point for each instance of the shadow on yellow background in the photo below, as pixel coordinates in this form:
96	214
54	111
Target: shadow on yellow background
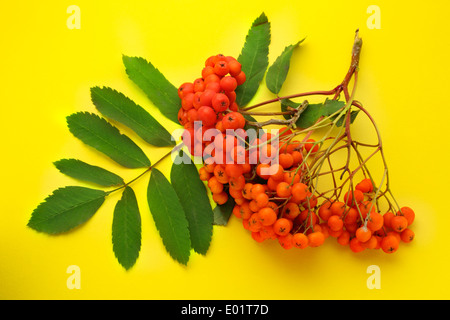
47	70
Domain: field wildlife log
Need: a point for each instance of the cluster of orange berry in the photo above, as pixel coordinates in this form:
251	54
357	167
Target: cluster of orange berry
267	174
209	98
357	222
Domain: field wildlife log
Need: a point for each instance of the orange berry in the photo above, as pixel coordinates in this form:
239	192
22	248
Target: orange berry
387	218
253	206
335	233
276	172
363	234
389	244
220	174
351	227
185	88
394	234
355	245
257	189
220	198
353	197
282	226
408	213
324	210
272	184
236	211
291	210
375	221
273	206
286	160
210	167
247	191
262	200
267	232
371	243
286	241
240	78
407	235
244	210
204	175
310	146
351	216
214	185
284	189
344	238
246	223
297	157
365	186
257	236
316	239
254	223
399	223
233	170
234	68
267	216
309	216
324	229
337	208
365	206
299	192
335	223
291	177
262	170
300	240
236	194
237	183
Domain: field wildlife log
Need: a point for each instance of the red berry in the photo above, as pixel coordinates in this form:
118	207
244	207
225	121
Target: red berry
221	68
186	87
228	83
220	102
207	116
233	120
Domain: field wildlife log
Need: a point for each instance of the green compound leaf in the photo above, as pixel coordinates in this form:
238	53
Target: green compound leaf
83	171
254	59
169	216
152	82
101	135
277	72
65	209
126	229
194	198
118	107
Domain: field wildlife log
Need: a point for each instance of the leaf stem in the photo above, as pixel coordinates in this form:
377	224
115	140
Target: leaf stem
174	149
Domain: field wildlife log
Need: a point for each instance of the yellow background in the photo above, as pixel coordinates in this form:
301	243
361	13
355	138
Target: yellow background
47	70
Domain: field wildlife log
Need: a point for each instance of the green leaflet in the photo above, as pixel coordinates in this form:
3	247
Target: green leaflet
126	229
65	209
152	82
254	59
277	72
169	217
313	112
118	107
83	171
101	135
193	197
223	212
342	120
